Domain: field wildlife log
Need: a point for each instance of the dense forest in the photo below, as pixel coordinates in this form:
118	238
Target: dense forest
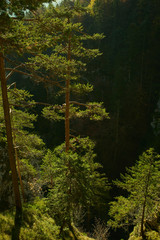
80	120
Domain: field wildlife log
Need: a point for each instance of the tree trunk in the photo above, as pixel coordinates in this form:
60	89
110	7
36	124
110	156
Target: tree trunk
117	131
67	99
11	152
19	174
16	155
144	204
142	219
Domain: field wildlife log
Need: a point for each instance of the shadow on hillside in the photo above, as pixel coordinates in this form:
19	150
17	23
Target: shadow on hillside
17	225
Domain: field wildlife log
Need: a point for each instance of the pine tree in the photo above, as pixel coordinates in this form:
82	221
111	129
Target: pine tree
74	179
60	59
28	147
7	10
142	183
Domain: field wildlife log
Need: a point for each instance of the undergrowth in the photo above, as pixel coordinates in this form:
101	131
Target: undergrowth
35	223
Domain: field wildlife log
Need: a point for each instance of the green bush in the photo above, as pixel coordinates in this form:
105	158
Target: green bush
153	235
6	225
36	224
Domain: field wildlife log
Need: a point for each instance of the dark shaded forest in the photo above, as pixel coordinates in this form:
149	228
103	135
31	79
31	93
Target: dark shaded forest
125	78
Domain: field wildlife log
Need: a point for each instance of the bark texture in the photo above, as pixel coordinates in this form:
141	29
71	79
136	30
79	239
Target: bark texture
11	152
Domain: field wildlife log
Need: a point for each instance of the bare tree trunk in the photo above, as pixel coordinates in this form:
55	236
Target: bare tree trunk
11	152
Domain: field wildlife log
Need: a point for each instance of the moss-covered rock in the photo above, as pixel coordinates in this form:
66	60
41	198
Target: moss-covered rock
78	235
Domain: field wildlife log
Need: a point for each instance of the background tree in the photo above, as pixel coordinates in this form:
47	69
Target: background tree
130	53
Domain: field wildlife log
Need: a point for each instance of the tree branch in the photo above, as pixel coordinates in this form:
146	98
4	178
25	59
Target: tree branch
14	83
30	104
24	19
42	79
78	103
15	70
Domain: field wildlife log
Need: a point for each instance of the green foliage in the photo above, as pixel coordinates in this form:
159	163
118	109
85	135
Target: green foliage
54	113
150	234
80	88
20	97
49	164
142	184
29	146
153	235
121	211
35	224
76	180
51	32
93	111
6	224
52	37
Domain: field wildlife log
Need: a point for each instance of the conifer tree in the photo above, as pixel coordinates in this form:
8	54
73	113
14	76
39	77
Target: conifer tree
74	179
29	148
60	57
55	44
8	9
142	183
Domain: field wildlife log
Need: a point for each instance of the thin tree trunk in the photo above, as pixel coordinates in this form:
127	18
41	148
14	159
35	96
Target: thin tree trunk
142	219
67	120
144	204
16	156
67	98
117	131
19	175
11	152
